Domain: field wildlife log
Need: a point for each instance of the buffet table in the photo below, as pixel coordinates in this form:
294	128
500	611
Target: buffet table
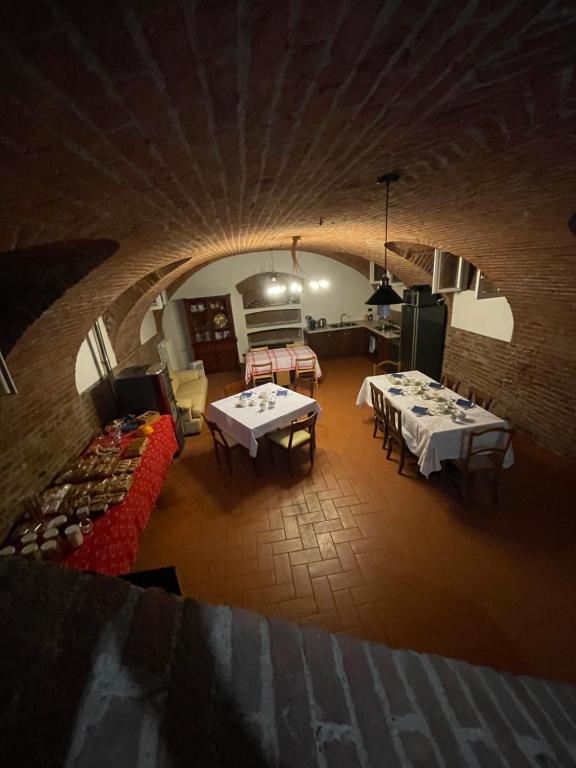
112	547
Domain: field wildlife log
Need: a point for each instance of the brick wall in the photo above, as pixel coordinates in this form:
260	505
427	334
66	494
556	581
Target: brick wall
137	677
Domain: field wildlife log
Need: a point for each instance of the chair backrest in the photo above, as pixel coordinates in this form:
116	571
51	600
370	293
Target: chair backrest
262	369
304	384
305	364
385	365
262	372
234	388
394	416
217	435
480	398
378	402
308	424
450	382
258	349
295	344
496	451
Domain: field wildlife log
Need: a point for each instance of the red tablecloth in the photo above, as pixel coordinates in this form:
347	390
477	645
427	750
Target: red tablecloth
112	547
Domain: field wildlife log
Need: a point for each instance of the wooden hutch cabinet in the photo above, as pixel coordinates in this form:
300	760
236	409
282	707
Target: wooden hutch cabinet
211	326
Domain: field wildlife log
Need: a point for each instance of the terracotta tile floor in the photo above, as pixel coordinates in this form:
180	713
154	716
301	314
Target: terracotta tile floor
353	547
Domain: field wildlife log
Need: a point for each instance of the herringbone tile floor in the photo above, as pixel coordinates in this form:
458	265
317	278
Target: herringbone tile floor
353	547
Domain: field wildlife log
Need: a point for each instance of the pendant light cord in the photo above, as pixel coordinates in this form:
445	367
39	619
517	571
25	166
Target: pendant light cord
386	235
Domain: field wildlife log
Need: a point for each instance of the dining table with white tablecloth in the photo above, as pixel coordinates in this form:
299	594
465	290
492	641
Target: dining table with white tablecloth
440	424
246	417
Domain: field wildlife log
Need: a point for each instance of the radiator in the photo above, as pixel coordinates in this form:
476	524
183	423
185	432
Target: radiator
163	352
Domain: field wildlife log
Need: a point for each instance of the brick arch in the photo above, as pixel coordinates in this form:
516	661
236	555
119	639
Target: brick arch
34	278
117	313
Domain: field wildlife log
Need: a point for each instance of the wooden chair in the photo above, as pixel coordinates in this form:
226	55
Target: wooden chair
383	365
222	440
258	349
262	373
450	382
234	388
300	432
395	436
480	398
305	387
380	417
306	368
483	459
283	378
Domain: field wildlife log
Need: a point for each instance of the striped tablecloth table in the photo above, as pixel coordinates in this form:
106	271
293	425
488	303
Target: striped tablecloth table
282	359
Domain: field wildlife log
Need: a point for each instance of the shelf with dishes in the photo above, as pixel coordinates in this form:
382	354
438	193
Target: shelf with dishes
211	325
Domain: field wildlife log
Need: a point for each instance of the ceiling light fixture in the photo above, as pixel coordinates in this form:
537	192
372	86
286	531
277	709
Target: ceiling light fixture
316	284
384	294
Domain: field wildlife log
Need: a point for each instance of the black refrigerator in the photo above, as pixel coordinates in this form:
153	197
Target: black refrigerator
423	332
149	388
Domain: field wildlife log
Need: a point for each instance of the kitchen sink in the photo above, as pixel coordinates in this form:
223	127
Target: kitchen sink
342	325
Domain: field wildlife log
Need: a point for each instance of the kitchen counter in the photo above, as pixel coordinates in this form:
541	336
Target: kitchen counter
395	334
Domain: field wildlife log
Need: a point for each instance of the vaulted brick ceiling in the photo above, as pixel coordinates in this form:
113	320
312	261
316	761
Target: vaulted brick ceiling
202	129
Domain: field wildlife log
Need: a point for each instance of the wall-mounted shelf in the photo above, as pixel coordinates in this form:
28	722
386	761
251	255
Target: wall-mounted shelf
275	336
273	308
269	318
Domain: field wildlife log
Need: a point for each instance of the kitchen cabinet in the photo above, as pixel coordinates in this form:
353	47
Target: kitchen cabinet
341	342
385	349
321	343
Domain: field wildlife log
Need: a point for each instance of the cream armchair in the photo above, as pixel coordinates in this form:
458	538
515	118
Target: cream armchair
190	390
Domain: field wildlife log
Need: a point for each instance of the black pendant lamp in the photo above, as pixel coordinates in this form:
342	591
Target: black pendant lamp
385	294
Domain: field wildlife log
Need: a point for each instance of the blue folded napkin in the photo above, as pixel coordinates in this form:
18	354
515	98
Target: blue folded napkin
419	410
281	392
464	403
246	394
398	375
435	385
395	391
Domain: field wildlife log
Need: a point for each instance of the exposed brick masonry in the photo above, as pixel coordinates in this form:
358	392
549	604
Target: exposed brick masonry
133	678
192	131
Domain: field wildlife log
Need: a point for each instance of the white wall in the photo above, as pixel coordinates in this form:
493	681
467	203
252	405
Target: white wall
176	336
88	367
347	293
148	328
487	317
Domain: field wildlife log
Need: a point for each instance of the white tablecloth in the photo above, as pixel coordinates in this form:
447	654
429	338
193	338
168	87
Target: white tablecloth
247	424
433	438
282	359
